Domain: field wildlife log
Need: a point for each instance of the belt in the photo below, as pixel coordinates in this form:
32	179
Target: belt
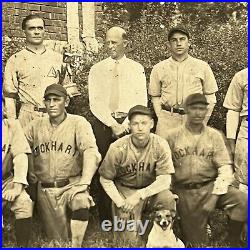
118	115
192	185
174	110
55	184
43	110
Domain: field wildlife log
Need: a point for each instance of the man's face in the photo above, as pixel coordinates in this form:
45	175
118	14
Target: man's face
196	113
115	44
178	44
55	105
140	126
34	31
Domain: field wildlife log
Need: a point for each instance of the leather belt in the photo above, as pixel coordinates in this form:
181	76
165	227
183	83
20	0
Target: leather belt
192	185
118	115
43	110
55	184
172	109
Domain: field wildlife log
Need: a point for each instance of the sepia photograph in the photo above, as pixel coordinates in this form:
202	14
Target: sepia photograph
124	124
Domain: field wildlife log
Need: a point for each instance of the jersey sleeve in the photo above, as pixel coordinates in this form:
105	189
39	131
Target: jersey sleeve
19	144
10	81
221	154
108	166
85	139
29	132
154	88
209	85
234	96
164	164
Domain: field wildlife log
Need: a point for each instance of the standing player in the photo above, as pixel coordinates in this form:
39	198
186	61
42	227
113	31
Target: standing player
236	102
138	167
203	174
30	71
173	79
14	171
65	160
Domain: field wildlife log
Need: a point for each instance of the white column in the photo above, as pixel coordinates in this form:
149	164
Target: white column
73	22
88	18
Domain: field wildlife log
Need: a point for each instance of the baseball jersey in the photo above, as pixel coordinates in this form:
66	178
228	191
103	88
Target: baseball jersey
197	158
173	81
132	87
237	95
134	167
58	151
27	75
13	144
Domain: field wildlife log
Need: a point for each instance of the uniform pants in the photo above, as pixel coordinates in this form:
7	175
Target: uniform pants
22	205
167	121
161	201
241	154
194	219
54	205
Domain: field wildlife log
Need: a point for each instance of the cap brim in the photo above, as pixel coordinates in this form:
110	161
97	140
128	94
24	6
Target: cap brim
54	92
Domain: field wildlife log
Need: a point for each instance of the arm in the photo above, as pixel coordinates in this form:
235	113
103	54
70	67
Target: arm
112	191
96	95
156	100
211	99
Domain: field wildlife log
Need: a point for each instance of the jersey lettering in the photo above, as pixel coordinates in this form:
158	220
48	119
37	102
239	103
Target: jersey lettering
133	168
4	148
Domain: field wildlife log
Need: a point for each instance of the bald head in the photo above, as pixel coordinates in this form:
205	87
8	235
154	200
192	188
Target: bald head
116	41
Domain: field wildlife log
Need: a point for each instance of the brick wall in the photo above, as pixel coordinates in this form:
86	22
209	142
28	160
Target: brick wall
54	14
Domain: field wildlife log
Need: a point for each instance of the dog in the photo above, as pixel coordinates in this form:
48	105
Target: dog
161	234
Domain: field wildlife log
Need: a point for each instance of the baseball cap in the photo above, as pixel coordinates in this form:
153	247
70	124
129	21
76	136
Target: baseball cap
196	98
139	109
56	89
181	29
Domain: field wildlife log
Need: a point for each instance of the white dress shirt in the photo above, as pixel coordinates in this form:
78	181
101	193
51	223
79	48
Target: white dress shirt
132	87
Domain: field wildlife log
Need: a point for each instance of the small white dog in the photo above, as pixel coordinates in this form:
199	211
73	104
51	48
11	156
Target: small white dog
161	234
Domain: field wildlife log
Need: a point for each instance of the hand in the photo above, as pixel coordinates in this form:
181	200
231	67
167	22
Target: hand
78	188
210	205
131	202
12	191
118	130
32	178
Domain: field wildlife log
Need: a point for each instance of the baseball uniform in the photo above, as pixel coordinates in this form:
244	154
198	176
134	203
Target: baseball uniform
14	170
202	168
173	81
27	75
133	169
58	154
237	100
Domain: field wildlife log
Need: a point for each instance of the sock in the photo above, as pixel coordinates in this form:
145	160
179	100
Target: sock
23	232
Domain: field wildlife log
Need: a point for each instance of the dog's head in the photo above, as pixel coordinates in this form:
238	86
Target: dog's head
164	215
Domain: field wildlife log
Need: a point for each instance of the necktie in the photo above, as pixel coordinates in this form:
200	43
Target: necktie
114	95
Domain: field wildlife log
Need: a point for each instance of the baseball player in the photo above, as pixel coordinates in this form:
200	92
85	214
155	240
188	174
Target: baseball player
136	172
236	102
203	176
173	79
30	71
14	171
65	159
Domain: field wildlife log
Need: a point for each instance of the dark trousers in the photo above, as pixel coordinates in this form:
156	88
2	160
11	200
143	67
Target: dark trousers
104	138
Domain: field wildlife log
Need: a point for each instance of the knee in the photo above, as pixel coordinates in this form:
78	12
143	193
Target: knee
23	207
80	201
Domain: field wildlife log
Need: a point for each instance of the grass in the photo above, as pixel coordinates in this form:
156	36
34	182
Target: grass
96	238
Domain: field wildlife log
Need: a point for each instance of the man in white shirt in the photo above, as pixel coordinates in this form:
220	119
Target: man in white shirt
116	84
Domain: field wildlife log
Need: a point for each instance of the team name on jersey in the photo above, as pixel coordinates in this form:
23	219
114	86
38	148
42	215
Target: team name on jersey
183	152
54	146
4	149
134	167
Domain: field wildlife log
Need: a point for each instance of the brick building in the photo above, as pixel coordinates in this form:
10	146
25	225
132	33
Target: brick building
64	21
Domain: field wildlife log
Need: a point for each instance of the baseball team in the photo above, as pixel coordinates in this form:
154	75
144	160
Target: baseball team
185	169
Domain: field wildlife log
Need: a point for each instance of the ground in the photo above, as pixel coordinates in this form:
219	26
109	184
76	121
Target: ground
96	238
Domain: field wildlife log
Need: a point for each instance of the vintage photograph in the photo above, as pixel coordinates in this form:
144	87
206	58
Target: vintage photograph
124	124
